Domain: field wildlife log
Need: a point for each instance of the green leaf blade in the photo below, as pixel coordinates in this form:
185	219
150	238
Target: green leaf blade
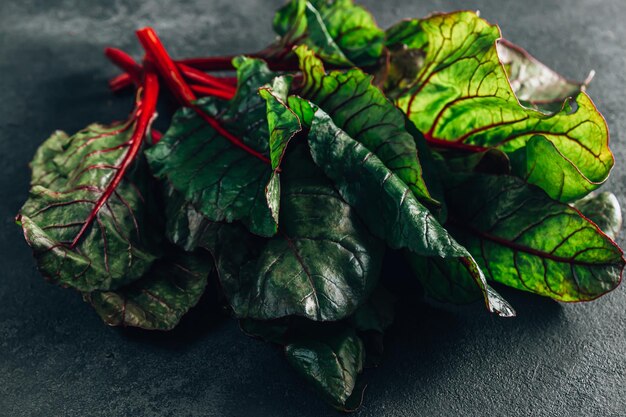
70	175
322	264
331	364
158	300
363	111
460	97
526	240
339	32
222	181
385	203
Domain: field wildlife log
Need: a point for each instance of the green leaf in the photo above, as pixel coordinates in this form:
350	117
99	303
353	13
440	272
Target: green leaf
337	31
445	280
384	201
603	209
71	175
363	111
377	313
459	95
331	363
524	239
222	181
322	265
535	84
159	299
541	163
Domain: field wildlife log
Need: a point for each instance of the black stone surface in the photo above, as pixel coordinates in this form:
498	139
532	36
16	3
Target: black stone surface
58	359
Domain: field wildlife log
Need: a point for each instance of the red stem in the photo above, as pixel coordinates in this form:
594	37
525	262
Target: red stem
120	82
124	80
458	146
126	63
145	108
179	87
206	80
213	92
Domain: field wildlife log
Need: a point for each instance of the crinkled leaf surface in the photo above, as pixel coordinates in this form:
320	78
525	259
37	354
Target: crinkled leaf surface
338	31
604	210
331	363
322	264
384	201
534	83
222	181
458	94
363	111
524	239
70	175
157	301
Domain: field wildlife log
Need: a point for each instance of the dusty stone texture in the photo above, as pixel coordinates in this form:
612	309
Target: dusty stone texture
56	357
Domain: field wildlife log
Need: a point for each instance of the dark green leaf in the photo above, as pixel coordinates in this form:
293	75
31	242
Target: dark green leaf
222	181
603	209
322	265
377	313
363	111
384	201
338	31
71	174
157	301
524	239
459	95
330	362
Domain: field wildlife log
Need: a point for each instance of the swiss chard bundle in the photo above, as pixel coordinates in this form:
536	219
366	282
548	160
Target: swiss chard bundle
288	179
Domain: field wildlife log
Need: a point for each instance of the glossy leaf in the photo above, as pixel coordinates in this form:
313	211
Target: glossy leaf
535	84
158	300
604	210
331	363
71	175
384	201
222	181
541	163
362	111
459	95
283	125
524	239
338	31
322	265
445	280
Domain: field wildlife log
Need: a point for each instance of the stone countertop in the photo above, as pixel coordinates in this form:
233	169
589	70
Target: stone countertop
58	359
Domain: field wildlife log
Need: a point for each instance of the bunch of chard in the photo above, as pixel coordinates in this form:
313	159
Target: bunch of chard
287	181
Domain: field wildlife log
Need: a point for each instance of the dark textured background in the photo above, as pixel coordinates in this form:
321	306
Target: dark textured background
58	359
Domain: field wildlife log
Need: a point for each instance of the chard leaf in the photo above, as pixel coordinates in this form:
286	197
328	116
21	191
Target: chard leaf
331	363
222	181
385	203
322	265
603	209
283	125
363	111
377	313
158	300
445	280
526	240
338	31
458	94
541	163
90	228
535	85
